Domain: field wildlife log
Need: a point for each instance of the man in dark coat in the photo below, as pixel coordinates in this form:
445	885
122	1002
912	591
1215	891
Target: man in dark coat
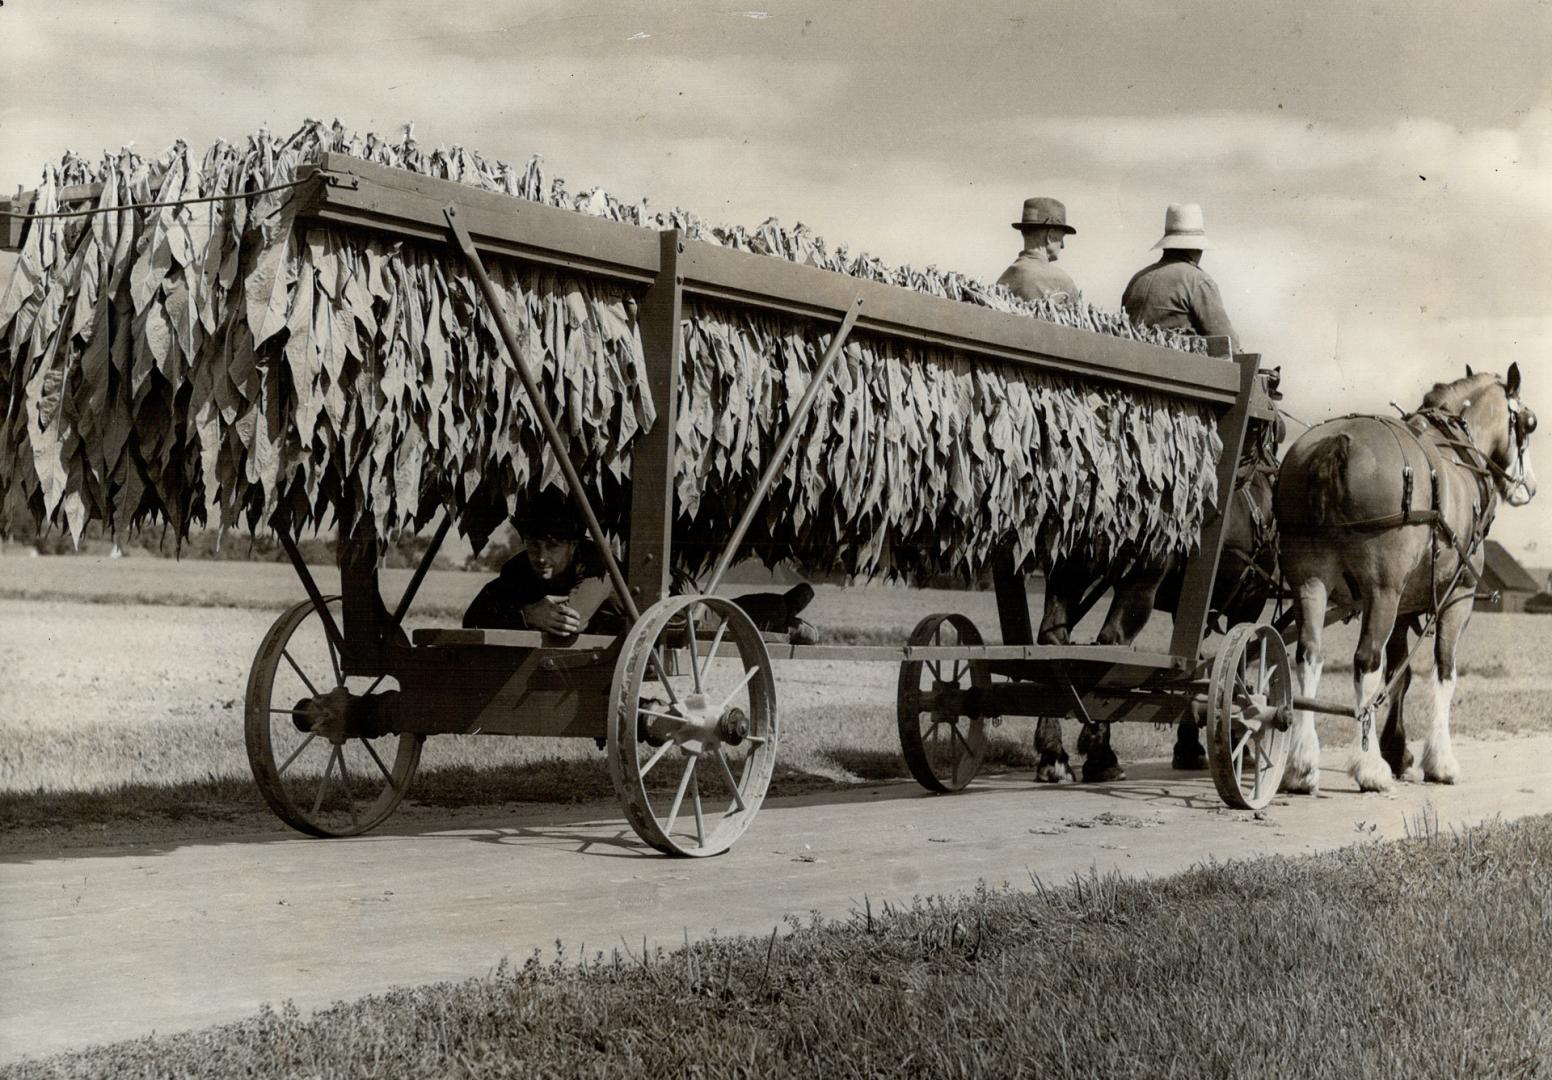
1175	293
548	586
1034	275
552	587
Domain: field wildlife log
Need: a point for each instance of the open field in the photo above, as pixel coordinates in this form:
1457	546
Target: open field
143	699
1421	958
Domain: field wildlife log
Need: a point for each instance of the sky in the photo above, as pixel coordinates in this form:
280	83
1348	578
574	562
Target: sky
1376	177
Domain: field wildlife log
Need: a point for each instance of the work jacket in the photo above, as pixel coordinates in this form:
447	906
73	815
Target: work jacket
1176	294
1032	278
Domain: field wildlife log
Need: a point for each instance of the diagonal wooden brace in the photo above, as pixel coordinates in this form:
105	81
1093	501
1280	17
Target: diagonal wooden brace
779	456
330	627
552	434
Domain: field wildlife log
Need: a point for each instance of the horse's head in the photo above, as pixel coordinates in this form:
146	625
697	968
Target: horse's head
1501	425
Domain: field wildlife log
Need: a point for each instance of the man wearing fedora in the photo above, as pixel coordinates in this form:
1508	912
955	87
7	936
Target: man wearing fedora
1175	293
1033	275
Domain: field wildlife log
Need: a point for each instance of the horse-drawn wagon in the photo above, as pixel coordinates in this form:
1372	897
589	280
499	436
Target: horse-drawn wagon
341	698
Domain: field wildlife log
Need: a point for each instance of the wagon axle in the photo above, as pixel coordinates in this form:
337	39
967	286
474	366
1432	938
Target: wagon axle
340	715
694	723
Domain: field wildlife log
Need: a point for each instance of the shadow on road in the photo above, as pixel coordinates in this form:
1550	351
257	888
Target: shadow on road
593	828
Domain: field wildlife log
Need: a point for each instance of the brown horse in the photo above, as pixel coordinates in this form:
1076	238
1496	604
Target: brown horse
1388	515
1244	583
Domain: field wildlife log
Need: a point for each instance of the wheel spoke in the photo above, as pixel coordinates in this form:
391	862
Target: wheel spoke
684	782
388	776
350	800
1239	747
954	730
376	683
661	715
311	689
662	674
311	735
960	667
738	798
339	676
700	822
286	712
323	785
655	758
716	641
757	740
695	666
751	673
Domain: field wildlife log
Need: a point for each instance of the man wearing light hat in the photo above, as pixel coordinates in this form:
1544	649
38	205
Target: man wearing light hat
1175	293
1033	275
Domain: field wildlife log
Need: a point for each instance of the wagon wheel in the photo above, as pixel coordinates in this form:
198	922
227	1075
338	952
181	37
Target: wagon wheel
1249	712
692	736
317	776
942	744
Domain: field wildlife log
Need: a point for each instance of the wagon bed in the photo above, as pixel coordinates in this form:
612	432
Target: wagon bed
337	761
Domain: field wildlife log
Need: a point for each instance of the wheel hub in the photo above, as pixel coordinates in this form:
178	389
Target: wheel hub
323	714
694	724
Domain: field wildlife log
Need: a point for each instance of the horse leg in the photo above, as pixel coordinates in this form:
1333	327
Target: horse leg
1189	753
1128	614
1302	774
1379	619
1393	743
1439	764
1064	587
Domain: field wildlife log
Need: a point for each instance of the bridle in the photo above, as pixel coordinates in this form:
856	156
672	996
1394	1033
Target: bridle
1522	421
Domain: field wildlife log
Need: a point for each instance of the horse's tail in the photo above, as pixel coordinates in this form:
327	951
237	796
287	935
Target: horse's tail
1327	484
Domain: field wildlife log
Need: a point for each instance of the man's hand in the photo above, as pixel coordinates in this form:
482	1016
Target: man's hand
553	616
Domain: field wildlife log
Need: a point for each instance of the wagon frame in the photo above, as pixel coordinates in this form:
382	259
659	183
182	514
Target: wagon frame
527	683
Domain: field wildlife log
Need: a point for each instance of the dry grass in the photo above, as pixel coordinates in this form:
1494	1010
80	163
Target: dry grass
1420	959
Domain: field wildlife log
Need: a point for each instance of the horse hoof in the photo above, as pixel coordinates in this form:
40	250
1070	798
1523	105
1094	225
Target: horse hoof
1373	776
1192	759
1102	774
1300	781
1055	773
1441	768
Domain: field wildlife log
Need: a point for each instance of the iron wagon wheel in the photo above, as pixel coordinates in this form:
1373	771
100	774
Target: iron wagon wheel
692	735
1249	712
317	775
942	744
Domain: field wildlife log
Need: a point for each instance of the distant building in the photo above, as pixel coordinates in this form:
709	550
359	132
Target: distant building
1503	575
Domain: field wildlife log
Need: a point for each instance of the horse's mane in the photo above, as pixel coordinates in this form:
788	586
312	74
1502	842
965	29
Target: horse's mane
1452	396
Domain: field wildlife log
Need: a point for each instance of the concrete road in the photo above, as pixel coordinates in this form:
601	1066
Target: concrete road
100	945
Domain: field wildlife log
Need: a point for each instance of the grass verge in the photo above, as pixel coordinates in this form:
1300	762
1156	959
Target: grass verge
1427	957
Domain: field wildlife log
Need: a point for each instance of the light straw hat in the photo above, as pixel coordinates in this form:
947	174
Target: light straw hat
1184	227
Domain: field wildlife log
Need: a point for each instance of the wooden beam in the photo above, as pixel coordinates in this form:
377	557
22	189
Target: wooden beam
650	551
772	283
1202	567
409	205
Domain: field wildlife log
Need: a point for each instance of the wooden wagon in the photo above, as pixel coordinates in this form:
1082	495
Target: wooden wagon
340	699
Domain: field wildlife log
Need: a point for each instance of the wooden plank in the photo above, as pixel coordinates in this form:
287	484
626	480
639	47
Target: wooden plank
780	649
375	197
650	553
1012	602
521	639
384	199
893	311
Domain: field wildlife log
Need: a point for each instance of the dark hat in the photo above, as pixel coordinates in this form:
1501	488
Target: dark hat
1043	213
550	515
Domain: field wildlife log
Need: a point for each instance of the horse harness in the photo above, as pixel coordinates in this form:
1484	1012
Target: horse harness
1448	430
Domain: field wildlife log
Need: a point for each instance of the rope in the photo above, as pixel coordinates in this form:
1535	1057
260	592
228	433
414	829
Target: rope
153	205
